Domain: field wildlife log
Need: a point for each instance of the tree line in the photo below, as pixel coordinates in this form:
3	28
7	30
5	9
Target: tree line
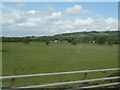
72	40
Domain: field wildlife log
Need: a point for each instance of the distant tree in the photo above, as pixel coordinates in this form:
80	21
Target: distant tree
111	41
74	42
26	40
101	40
47	42
119	40
94	32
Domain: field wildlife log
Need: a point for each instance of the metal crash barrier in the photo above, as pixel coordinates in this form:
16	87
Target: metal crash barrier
13	78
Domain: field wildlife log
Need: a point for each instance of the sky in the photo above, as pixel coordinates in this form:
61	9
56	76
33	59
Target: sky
50	18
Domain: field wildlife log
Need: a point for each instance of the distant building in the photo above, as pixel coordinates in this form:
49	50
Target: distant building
56	41
106	42
92	41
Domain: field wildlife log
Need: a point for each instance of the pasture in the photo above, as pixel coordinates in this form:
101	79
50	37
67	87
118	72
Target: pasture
36	58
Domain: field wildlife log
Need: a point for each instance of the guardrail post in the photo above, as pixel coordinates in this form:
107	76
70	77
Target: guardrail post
85	77
12	82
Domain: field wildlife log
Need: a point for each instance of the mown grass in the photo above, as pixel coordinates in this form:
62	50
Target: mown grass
36	57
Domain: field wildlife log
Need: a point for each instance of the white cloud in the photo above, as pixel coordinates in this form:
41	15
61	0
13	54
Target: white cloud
30	22
111	21
53	23
87	21
33	12
56	15
27	24
77	9
34	19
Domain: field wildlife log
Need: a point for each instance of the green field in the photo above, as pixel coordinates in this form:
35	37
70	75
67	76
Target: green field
36	58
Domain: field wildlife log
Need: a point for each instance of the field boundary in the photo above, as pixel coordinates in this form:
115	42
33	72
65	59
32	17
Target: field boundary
65	83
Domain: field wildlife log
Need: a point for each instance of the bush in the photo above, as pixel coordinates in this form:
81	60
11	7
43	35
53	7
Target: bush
47	43
26	40
101	40
74	42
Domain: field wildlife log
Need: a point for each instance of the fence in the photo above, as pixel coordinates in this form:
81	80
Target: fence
13	78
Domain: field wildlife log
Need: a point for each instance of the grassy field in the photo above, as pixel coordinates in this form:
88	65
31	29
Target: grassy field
36	57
